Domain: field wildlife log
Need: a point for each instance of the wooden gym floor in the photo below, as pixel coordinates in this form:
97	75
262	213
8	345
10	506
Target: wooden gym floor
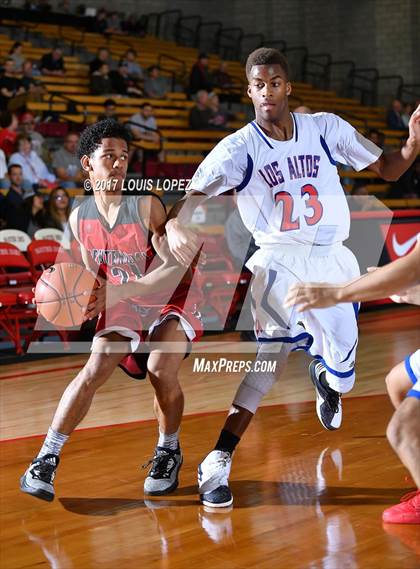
303	497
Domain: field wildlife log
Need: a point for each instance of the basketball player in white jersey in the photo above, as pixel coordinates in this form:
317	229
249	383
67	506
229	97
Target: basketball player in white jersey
403	381
283	167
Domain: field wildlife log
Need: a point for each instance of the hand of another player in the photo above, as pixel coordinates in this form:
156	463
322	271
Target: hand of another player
312	295
105	295
183	242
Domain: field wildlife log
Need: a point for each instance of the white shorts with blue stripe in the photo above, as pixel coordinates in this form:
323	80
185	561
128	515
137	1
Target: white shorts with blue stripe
328	334
412	366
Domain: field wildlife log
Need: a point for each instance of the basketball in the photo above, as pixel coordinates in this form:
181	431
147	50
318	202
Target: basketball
59	294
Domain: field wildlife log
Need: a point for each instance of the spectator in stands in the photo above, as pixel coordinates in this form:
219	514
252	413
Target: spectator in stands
303	109
102	56
10	85
15	53
8	133
4	212
100	81
63	7
33	167
393	117
58	209
33	87
143	124
221	77
200	78
100	25
155	86
19	189
201	114
110	110
133	25
219	117
33	214
27	127
113	24
408	185
358	200
135	71
53	63
122	84
66	164
406	114
376	136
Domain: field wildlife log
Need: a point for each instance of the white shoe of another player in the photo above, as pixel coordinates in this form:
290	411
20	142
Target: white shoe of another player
213	480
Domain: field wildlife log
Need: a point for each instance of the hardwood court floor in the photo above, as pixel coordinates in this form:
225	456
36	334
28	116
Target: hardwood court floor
303	497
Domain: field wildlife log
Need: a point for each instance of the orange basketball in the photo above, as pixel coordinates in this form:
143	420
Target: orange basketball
59	294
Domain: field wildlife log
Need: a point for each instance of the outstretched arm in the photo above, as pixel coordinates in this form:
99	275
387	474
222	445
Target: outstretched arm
392	165
385	281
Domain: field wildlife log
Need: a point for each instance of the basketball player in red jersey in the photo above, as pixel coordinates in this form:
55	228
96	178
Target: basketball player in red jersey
403	381
117	236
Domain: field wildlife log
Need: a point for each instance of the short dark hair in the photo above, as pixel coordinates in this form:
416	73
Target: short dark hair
91	137
10	168
266	56
145	104
110	103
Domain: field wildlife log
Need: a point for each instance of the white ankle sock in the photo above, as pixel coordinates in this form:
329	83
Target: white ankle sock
168	441
53	443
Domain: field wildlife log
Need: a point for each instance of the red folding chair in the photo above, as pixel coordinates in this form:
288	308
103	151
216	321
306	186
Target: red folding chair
43	253
16	295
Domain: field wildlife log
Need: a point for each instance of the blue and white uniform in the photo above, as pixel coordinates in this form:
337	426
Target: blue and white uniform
290	198
412	366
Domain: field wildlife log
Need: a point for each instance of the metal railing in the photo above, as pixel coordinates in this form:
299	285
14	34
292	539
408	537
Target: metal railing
200	41
186	35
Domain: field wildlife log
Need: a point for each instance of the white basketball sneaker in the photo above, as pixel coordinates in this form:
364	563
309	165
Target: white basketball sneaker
213	479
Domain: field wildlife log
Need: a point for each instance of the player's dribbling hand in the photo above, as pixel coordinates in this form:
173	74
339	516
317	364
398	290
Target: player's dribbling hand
183	242
105	296
311	295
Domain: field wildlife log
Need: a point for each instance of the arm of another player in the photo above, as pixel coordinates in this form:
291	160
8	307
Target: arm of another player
390	166
396	276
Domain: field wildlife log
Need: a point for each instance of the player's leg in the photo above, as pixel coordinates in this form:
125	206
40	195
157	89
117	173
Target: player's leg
403	433
73	406
398	382
163	366
214	471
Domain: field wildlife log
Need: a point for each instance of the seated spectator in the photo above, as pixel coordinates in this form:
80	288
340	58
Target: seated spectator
393	117
358	199
27	127
376	136
219	118
4	212
406	114
32	87
33	167
66	164
113	24
200	78
3	167
408	185
19	189
110	110
221	78
100	24
155	86
33	214
8	133
58	209
122	84
15	53
53	63
143	124
10	85
100	81
133	25
102	56
135	71
201	114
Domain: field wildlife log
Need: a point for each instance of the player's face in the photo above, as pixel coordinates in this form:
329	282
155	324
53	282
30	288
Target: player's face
107	166
269	88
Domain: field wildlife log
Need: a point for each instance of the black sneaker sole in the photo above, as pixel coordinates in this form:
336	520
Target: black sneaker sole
215	505
41	494
315	381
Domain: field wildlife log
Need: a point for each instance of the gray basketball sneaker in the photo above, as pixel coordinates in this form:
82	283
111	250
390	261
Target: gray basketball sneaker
39	477
163	474
328	401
